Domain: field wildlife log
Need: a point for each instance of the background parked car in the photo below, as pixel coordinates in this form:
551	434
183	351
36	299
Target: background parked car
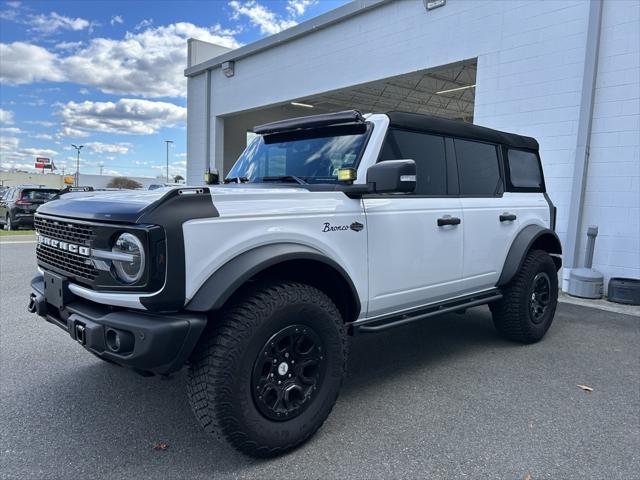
18	204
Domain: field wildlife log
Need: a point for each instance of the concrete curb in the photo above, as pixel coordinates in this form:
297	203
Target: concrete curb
602	304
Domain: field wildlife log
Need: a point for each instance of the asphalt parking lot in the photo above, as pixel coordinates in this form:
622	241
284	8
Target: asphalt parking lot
446	398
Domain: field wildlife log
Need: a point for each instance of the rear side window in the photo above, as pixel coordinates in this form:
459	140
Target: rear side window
478	168
524	169
427	151
40	194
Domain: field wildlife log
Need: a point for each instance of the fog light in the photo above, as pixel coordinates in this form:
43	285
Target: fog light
119	341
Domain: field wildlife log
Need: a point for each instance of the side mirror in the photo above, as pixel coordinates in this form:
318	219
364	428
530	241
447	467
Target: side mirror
392	176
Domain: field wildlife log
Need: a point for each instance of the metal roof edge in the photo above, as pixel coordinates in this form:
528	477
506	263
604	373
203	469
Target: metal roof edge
305	28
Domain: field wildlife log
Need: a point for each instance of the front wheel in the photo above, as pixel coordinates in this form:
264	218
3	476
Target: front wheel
8	224
268	371
526	310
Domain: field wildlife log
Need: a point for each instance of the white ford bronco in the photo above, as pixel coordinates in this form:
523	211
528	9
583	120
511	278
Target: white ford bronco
327	226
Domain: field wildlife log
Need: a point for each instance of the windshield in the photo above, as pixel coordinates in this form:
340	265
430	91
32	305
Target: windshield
313	156
39	194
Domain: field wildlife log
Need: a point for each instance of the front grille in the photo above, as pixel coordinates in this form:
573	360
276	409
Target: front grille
66	262
66	231
69	263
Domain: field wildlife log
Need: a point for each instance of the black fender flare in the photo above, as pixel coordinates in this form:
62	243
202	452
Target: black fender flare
524	241
222	283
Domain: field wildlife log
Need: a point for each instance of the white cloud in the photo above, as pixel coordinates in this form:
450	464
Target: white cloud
72	132
68	45
147	22
116	19
149	63
6	116
99	147
11	152
11	130
298	7
27	63
260	16
84	91
43	123
52	22
127	115
11	13
175	168
43	136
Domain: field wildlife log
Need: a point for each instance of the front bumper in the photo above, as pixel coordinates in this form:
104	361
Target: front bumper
147	342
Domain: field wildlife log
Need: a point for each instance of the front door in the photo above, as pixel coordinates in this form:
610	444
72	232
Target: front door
414	240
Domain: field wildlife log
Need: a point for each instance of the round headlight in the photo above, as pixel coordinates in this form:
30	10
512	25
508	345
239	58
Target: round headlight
130	268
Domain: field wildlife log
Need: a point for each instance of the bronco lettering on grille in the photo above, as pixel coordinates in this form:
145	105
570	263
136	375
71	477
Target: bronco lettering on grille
66	246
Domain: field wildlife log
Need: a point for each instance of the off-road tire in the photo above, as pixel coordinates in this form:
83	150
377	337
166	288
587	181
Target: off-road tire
512	314
220	371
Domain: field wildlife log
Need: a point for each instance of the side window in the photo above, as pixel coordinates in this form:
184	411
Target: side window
524	169
427	151
478	168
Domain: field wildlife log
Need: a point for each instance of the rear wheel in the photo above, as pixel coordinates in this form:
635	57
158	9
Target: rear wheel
268	371
526	310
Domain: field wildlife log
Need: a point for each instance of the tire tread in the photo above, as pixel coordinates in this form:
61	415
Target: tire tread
210	370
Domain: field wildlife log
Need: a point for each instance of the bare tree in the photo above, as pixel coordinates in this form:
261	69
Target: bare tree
123	182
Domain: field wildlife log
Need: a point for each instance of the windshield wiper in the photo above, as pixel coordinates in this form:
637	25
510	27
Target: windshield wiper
236	180
285	178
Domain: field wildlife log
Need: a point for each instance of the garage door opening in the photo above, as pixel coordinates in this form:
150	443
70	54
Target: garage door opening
446	91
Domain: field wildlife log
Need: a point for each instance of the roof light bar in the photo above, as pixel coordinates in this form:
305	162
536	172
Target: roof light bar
312	121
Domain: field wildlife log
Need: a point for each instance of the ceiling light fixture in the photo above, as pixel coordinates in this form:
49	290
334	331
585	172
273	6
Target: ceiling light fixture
456	89
304	105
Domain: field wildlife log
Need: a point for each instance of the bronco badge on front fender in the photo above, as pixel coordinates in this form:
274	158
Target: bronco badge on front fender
355	226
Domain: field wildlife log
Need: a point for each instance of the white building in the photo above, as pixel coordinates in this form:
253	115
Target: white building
564	72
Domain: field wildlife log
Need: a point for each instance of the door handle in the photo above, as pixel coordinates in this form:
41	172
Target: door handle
507	217
448	220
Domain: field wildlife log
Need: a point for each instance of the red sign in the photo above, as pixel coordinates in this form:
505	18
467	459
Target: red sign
43	162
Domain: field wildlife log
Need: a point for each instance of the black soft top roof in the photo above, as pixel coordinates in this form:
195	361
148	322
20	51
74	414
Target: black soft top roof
412	121
456	128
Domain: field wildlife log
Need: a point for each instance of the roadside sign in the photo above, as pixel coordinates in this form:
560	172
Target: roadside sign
43	162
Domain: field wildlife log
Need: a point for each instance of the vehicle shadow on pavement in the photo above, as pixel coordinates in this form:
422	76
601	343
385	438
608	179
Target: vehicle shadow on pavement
114	416
375	358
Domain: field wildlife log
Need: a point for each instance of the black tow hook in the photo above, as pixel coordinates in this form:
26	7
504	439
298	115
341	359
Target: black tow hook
32	307
81	333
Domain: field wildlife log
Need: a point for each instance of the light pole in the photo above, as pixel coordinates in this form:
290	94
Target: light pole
77	163
168	142
101	165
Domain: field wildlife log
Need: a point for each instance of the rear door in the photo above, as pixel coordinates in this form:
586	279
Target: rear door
415	240
4	203
490	218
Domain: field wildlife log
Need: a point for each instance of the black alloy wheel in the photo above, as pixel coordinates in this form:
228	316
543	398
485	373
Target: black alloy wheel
540	297
287	372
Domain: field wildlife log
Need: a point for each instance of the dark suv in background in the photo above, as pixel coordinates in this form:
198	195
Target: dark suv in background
18	204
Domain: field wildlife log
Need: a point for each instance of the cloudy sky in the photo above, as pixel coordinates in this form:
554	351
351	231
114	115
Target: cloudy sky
109	75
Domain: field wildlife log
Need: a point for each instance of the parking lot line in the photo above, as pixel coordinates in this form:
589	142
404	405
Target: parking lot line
18	241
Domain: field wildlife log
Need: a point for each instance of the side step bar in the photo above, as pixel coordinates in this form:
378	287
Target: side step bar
375	325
